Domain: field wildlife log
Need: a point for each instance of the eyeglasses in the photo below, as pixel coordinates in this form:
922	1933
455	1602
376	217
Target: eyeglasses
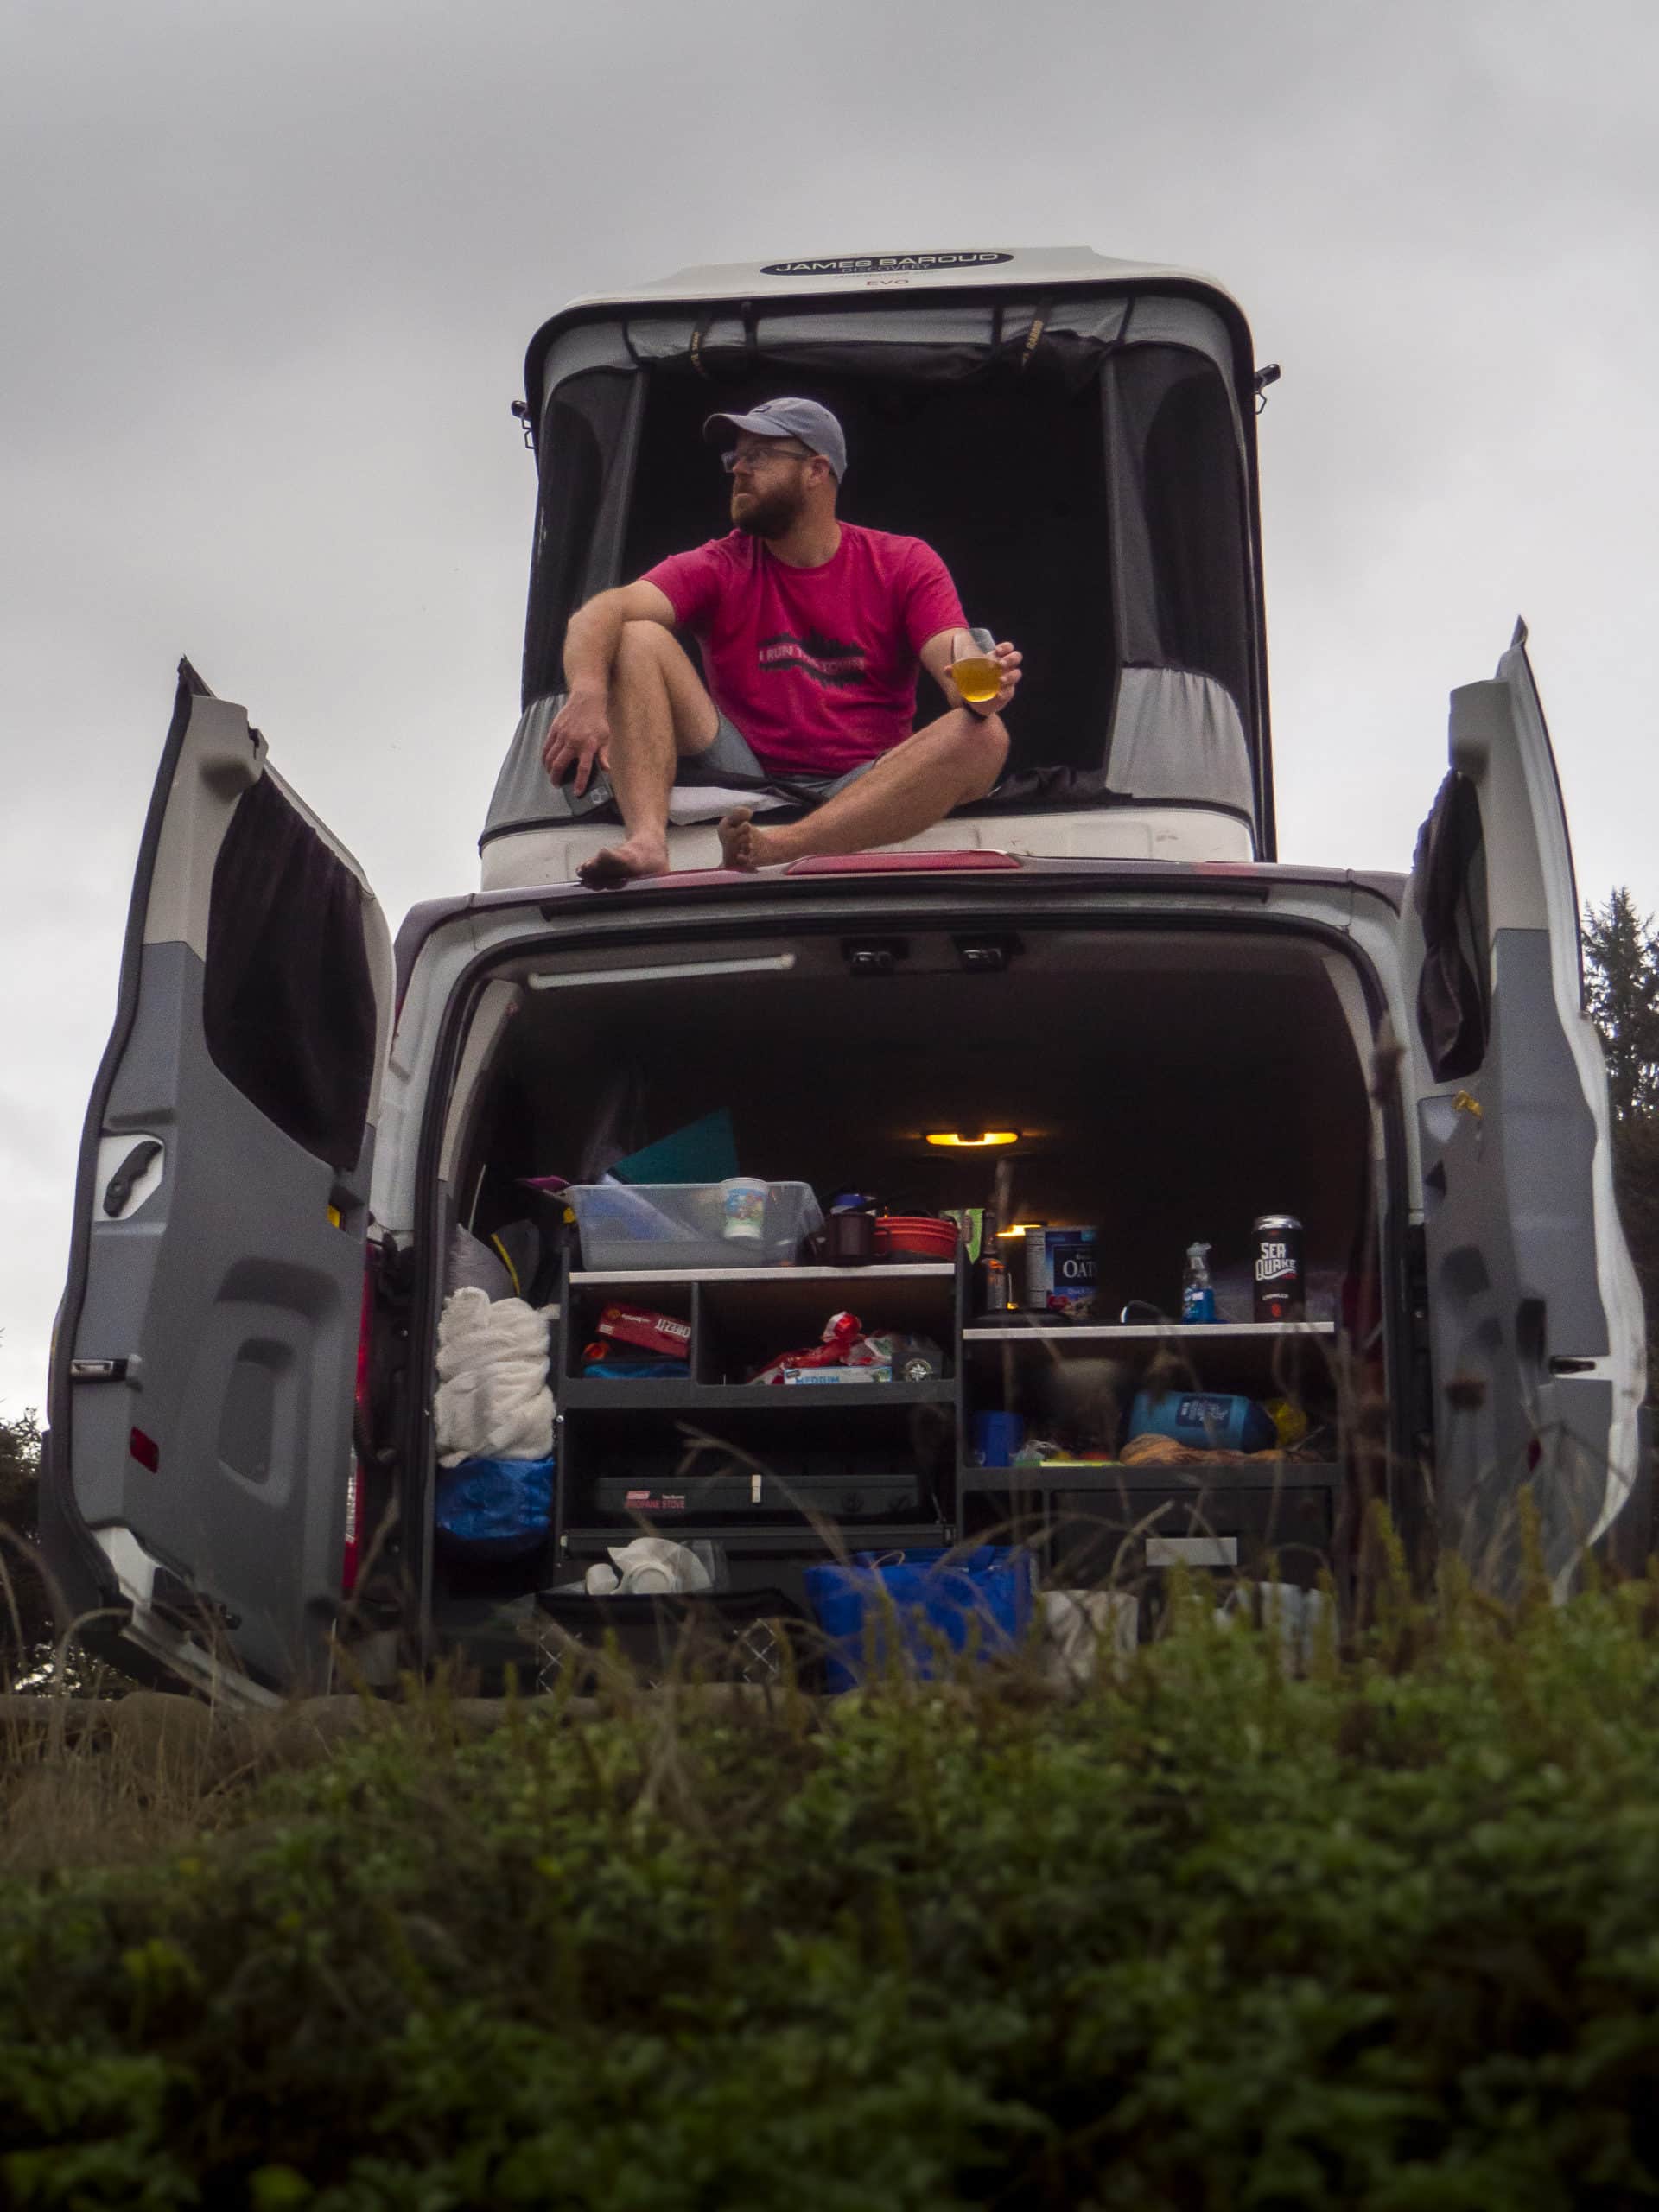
736	457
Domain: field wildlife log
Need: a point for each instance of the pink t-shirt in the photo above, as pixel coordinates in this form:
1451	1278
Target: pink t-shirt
816	666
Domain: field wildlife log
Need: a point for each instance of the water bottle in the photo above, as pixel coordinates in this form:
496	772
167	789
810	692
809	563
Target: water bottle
1197	1292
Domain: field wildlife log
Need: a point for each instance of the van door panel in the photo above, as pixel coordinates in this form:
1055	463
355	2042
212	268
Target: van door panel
1534	1316
205	1368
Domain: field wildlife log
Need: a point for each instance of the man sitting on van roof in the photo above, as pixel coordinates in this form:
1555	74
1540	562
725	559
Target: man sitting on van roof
811	632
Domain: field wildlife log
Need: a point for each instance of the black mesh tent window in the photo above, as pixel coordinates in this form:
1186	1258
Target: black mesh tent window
587	447
1179	506
1007	482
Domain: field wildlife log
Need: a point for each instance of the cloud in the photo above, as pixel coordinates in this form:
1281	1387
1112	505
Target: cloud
271	270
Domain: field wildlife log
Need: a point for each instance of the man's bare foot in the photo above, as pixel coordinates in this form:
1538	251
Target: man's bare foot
743	845
620	864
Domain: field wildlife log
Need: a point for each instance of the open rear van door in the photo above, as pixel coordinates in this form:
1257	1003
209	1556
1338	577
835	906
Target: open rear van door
1535	1315
203	1371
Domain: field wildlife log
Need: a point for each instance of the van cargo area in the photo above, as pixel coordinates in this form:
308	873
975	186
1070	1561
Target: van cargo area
1164	1085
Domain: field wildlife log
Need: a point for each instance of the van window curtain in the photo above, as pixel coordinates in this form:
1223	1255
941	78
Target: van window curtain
288	1005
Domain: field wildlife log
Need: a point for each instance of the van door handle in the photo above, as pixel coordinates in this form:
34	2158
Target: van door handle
100	1371
119	1189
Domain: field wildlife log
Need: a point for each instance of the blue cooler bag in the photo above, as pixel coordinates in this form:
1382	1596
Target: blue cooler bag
934	1598
495	1509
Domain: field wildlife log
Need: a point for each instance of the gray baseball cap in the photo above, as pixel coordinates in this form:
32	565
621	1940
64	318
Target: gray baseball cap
812	426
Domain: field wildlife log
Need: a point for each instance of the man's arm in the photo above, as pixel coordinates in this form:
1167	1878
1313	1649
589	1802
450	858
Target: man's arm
592	633
936	659
580	733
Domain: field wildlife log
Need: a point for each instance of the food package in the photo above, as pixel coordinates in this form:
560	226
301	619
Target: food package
1164	1450
647	1329
845	1352
609	1361
841	1331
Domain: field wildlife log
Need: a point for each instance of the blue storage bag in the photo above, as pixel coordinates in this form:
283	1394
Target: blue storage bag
982	1598
1207	1421
495	1509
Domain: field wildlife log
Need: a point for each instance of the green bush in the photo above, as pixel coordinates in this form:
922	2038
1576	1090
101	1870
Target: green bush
25	1611
1209	1937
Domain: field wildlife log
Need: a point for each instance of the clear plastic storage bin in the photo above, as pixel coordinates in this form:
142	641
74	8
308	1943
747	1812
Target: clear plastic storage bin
626	1225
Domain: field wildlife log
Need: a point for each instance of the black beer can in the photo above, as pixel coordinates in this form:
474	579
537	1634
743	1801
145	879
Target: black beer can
1280	1278
993	1291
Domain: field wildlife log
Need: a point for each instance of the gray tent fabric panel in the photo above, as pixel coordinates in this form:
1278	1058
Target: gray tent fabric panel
1179	537
1100	319
958	326
524	798
589	345
1177	736
668	338
523	794
864	330
1157	319
1160	322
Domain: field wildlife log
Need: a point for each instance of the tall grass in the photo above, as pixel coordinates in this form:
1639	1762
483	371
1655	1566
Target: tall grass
1215	1931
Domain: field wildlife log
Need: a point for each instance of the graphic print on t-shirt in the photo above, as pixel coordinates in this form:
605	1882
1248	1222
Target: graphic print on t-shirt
827	660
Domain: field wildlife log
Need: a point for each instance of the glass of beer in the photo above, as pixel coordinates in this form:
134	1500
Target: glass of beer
975	669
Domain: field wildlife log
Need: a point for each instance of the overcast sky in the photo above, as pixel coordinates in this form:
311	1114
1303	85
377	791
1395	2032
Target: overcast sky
269	271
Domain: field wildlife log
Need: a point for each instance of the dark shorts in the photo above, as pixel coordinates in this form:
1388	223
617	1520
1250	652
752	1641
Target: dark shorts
729	755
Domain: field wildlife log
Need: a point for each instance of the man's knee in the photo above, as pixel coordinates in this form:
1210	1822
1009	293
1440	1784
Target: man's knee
642	645
982	744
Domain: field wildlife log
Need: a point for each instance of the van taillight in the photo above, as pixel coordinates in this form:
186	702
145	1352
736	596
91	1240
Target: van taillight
353	1510
351	1557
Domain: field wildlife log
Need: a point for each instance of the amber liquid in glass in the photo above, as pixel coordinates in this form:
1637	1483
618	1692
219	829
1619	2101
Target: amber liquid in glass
978	678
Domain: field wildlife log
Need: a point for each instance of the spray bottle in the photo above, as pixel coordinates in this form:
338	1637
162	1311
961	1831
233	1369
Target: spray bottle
1197	1292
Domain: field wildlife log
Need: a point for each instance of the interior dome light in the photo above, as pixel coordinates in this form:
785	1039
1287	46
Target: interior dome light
982	1140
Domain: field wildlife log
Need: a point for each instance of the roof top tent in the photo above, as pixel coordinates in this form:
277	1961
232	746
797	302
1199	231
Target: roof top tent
1076	436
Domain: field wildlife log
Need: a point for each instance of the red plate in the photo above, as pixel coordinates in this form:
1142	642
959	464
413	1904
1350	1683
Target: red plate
914	1236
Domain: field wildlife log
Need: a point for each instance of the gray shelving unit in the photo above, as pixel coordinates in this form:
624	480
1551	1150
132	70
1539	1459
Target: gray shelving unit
790	1471
1104	1516
876	1461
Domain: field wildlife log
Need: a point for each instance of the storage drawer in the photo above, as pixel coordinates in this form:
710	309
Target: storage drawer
853	1496
1095	1534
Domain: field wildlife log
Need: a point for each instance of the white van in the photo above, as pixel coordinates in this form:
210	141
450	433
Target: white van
1103	960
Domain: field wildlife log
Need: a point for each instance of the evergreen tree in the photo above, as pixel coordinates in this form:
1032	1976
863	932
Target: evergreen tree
20	1465
1622	985
25	1614
1621	990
